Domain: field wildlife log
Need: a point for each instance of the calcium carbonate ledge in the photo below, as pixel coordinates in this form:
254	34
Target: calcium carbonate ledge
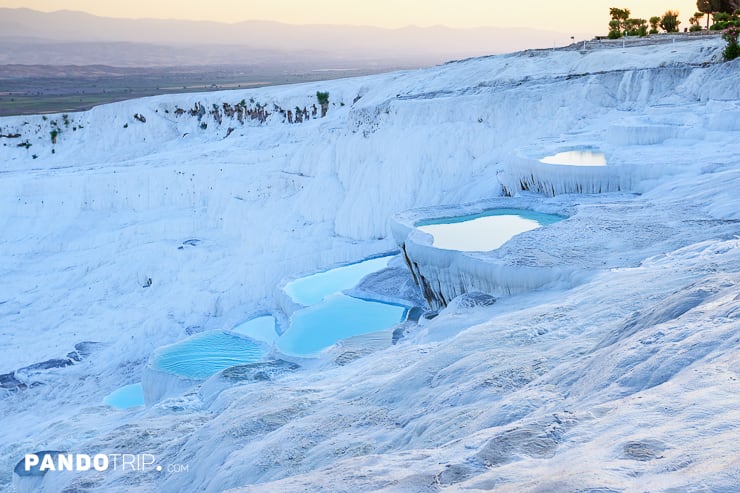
625	171
517	266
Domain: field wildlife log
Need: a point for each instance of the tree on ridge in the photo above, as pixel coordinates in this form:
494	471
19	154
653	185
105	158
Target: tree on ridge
669	23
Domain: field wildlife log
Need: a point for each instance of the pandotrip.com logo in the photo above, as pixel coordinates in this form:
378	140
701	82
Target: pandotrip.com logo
41	463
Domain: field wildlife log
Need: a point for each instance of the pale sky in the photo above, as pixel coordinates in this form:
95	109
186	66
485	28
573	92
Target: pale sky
581	16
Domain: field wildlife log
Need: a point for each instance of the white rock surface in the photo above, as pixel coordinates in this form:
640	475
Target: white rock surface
606	376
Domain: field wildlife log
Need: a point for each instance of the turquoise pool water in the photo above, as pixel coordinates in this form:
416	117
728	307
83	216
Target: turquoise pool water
337	317
485	231
312	289
200	356
126	397
583	157
259	328
328	317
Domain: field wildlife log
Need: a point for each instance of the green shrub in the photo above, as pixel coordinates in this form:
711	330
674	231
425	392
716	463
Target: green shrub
636	27
654	23
732	50
615	29
669	22
722	17
323	97
694	29
619	22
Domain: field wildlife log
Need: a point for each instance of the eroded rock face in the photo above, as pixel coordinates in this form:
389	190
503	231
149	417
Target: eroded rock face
391	283
23	378
469	301
433	297
405	328
259	372
503	448
83	350
454	473
538	440
643	450
348	357
47	365
9	382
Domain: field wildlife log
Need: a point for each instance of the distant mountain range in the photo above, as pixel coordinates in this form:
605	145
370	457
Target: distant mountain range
66	37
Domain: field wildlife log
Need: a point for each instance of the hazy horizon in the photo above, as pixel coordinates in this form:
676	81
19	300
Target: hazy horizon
70	61
578	17
47	55
74	37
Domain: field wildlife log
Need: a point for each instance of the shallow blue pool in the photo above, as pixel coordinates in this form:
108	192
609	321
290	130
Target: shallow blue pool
485	231
260	328
338	317
126	397
200	356
313	289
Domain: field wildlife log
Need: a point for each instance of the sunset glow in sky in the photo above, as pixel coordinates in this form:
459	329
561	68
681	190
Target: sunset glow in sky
590	17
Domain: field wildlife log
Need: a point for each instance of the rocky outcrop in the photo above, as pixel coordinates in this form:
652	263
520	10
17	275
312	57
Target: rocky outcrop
27	376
